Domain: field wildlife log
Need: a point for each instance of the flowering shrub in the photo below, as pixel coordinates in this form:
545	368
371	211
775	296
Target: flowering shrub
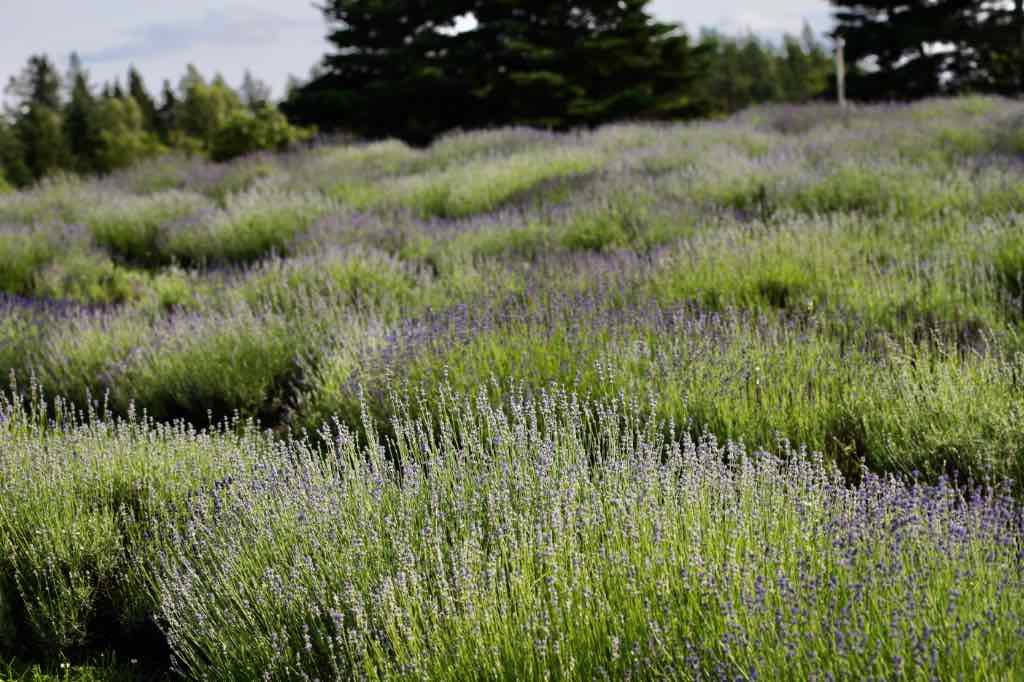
638	313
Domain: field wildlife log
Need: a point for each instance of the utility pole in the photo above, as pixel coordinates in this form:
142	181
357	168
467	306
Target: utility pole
841	71
1018	17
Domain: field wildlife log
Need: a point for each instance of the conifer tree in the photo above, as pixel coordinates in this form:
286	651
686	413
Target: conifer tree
396	70
908	48
166	114
401	68
997	43
586	62
39	84
37	122
13	169
138	92
81	129
255	93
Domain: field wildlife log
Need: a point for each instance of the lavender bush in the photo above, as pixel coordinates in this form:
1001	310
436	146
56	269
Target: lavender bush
566	540
846	281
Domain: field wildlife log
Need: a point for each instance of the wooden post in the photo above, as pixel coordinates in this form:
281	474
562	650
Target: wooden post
841	71
1018	16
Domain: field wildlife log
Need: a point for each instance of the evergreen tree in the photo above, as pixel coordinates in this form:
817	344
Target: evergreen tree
908	48
40	133
138	92
553	64
396	70
723	86
560	64
805	67
759	66
166	115
13	168
39	84
81	129
37	121
254	92
996	42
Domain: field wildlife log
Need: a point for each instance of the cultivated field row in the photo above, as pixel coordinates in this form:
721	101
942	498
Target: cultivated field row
462	412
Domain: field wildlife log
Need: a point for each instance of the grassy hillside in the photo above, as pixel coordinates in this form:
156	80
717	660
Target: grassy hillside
461	412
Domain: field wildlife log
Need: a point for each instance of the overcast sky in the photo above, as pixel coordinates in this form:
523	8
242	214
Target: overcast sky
273	38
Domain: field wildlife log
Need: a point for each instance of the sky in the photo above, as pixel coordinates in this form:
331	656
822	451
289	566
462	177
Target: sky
272	38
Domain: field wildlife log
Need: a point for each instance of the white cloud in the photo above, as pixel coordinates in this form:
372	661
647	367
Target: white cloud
237	25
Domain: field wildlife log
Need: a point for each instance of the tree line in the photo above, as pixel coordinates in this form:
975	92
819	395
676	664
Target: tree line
908	49
55	122
417	68
405	70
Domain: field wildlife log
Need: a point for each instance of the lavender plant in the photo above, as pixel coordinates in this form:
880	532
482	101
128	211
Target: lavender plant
565	540
847	281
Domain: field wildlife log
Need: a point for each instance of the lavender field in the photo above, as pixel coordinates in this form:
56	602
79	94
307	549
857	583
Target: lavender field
729	400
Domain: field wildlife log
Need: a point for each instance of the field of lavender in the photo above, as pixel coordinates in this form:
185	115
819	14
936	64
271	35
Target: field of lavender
728	400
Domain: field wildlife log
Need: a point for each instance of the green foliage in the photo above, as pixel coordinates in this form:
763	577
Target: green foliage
483	186
74	530
21	255
134	229
115	130
245	132
123	137
204	107
41	140
548	64
243	363
104	669
81	126
13	167
983	43
253	225
849	282
88	278
741	71
567	539
1010	266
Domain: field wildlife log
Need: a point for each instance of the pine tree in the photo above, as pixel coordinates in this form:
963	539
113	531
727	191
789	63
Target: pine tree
997	44
39	84
553	64
396	70
560	64
13	169
41	134
38	126
166	115
254	92
908	48
138	92
81	130
806	67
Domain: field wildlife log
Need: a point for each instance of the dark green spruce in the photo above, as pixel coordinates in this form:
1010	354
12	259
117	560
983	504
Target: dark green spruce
415	70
